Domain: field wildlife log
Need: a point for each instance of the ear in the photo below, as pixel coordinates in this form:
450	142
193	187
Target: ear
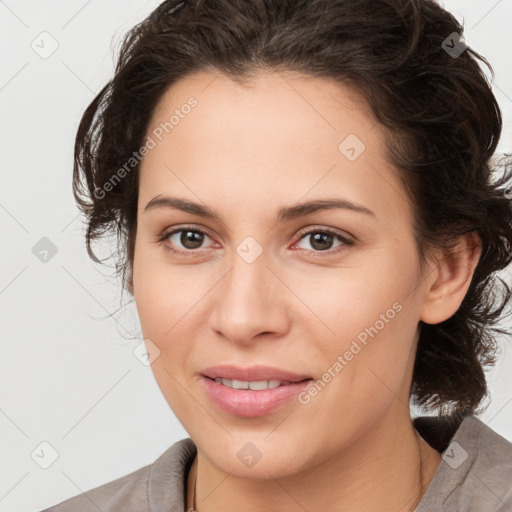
448	283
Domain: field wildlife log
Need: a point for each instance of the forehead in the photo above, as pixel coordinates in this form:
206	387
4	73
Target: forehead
264	105
278	135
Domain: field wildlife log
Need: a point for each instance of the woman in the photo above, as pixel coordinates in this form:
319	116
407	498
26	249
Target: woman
308	225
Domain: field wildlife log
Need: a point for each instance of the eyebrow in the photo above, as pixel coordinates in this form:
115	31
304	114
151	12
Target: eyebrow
284	213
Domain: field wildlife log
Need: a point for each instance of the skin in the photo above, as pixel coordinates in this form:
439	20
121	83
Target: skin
246	151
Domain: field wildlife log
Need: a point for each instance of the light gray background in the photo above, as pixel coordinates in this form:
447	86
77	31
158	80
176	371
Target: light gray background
69	377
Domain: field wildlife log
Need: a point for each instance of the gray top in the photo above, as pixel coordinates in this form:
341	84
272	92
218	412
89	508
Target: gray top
475	474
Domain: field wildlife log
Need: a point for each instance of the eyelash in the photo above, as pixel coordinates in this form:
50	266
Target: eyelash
191	252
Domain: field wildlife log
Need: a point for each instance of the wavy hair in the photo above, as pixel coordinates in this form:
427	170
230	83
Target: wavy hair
427	89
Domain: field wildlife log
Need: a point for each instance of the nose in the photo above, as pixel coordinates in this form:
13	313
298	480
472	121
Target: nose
250	302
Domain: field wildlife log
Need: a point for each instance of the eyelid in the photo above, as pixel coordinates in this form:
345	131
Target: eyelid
348	241
167	233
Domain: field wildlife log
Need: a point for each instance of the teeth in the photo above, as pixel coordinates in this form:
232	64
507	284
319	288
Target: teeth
256	385
237	384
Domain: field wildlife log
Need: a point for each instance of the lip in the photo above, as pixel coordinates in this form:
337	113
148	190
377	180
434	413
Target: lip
258	372
250	403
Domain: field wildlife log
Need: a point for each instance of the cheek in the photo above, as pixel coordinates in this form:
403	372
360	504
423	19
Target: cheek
371	317
164	294
364	368
161	309
170	304
347	303
166	319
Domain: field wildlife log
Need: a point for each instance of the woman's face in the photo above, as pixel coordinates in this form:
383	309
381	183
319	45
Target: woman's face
267	284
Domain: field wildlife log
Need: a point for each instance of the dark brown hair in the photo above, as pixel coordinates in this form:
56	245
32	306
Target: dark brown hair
440	117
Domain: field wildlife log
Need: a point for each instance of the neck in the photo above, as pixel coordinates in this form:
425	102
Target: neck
388	469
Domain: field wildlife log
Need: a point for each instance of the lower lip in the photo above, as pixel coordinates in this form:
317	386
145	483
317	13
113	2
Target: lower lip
249	403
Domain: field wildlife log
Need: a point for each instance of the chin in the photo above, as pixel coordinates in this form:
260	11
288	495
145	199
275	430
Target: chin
254	457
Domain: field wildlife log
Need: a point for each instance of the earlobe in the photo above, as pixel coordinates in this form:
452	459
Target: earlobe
450	280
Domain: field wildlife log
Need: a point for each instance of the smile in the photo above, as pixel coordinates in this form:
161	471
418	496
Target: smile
256	385
252	399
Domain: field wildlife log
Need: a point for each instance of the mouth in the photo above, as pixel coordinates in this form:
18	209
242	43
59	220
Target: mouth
255	385
253	374
251	392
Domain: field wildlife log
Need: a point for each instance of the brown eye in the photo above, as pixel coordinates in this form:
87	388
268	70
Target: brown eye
183	240
322	240
191	239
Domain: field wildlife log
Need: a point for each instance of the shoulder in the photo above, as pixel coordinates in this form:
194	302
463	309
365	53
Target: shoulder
475	473
128	492
147	488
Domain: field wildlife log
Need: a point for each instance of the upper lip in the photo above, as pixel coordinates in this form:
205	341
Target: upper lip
252	373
